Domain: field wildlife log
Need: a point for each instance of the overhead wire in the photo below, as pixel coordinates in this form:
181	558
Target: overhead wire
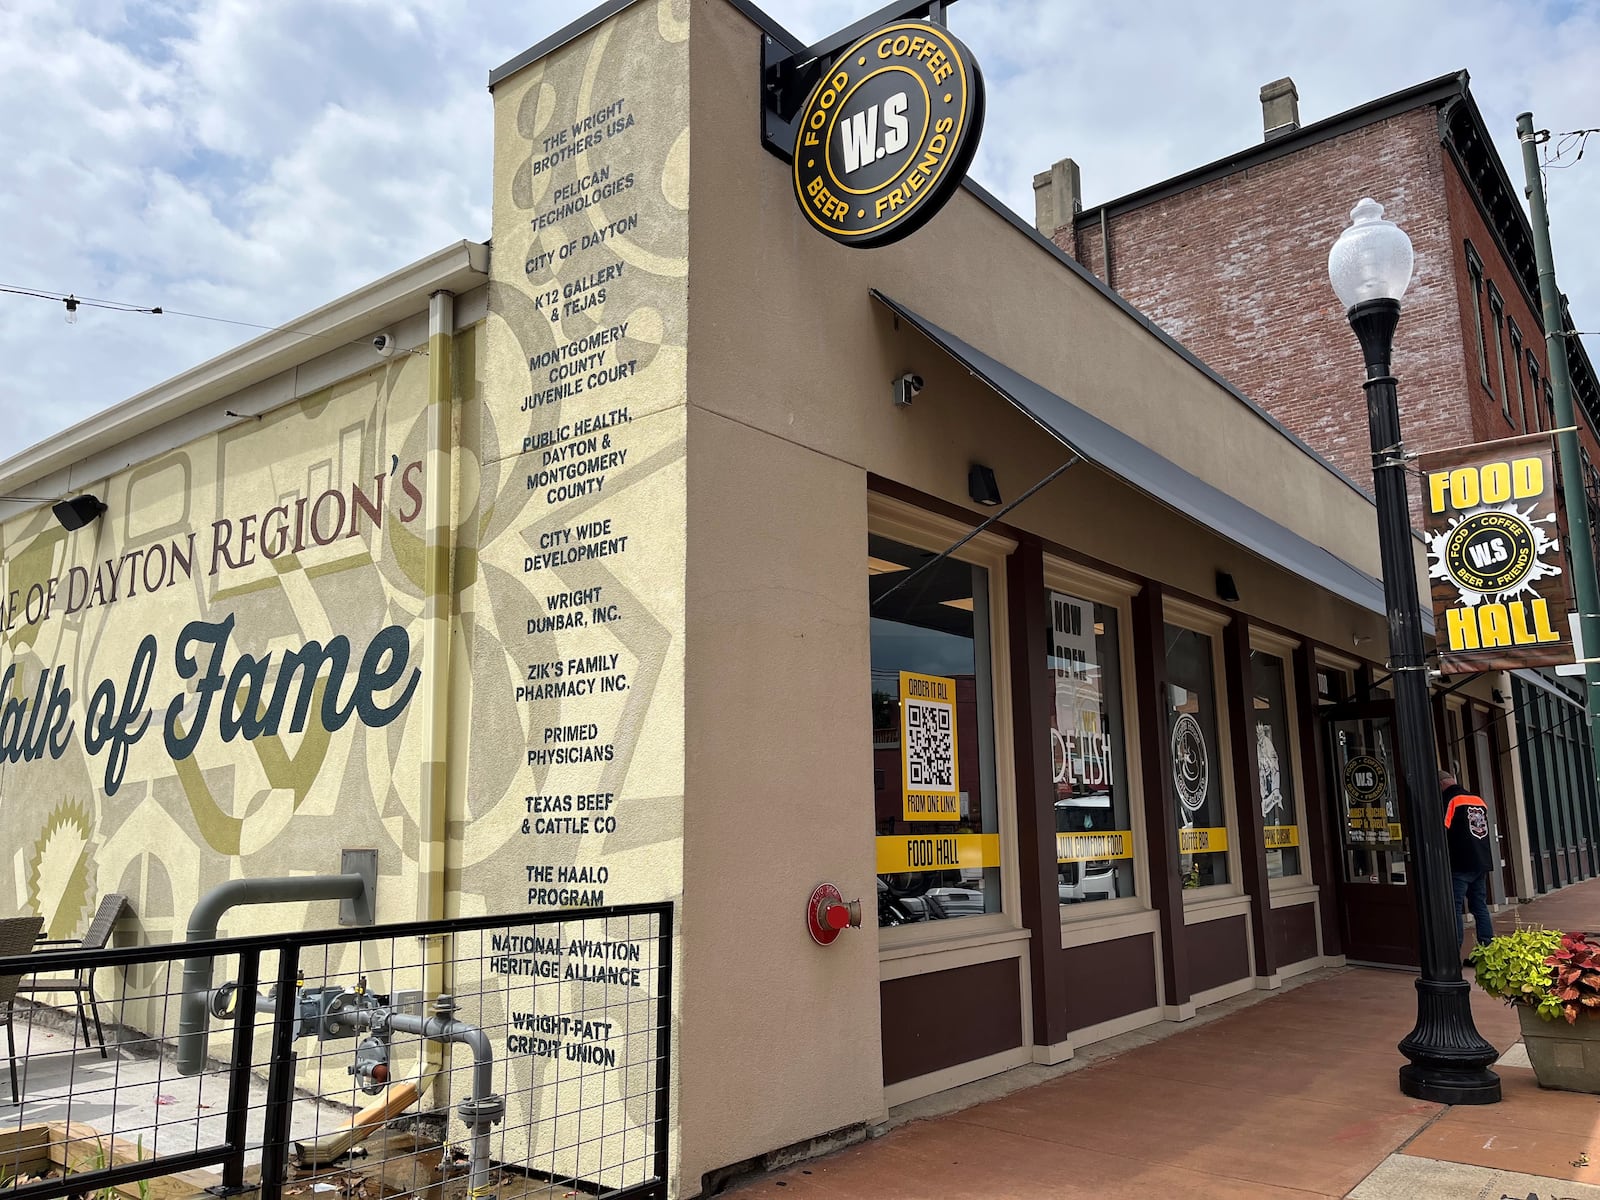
1557	147
72	301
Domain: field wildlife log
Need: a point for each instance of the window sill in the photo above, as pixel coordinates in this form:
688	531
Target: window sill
1106	927
985	933
1213	908
1292	891
1099	910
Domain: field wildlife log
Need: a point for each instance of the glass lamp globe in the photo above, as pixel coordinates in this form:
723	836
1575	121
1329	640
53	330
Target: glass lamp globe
1371	260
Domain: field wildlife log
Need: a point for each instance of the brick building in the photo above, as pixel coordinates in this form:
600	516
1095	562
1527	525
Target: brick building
1231	259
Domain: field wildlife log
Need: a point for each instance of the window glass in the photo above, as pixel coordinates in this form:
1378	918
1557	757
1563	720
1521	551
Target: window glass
1497	311
938	831
1475	271
1192	752
1516	370
1094	830
1280	807
1533	374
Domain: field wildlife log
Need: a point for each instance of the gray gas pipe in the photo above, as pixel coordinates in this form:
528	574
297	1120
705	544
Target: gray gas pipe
480	1111
195	997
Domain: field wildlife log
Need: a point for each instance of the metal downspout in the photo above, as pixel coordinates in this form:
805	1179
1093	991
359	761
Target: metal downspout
437	614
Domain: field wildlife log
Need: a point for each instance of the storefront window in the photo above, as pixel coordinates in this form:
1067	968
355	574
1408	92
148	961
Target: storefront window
1094	832
1280	808
938	831
1193	754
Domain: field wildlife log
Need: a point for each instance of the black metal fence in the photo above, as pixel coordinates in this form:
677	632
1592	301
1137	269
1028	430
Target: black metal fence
502	1056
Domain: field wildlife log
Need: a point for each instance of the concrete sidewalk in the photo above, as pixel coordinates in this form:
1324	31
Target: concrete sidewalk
1295	1095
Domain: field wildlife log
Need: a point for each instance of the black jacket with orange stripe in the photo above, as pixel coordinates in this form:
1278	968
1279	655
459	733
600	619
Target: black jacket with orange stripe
1466	818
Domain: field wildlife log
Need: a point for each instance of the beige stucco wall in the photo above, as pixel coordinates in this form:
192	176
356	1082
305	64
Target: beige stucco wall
789	373
573	622
164	823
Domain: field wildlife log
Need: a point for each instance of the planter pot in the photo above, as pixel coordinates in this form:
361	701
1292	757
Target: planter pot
1563	1056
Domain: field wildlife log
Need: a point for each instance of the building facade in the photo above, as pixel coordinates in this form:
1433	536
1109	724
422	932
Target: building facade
1231	258
645	585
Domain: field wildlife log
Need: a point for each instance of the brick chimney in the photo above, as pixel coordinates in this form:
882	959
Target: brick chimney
1280	108
1057	197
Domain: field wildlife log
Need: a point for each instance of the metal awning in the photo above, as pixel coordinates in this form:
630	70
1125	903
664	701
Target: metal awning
1159	478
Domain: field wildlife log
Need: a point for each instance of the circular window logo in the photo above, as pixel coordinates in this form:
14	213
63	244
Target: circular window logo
1366	779
1490	552
1191	769
887	134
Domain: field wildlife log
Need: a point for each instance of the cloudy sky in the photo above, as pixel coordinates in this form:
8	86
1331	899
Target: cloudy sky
252	159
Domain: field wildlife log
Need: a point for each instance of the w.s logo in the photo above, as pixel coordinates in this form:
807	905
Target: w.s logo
1478	821
860	133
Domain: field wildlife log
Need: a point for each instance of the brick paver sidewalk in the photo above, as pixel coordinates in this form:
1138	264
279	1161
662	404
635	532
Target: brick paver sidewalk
1293	1096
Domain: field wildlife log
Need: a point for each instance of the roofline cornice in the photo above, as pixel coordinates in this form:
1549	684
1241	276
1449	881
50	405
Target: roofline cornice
457	268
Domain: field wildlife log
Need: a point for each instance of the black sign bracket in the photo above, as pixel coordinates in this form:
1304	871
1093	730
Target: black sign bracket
787	76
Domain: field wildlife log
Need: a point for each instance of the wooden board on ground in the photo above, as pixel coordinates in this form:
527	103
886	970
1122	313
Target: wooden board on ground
76	1148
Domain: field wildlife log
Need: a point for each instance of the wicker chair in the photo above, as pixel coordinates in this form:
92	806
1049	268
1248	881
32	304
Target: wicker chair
81	981
17	936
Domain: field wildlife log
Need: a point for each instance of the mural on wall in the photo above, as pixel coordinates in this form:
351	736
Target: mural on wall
223	676
193	684
575	620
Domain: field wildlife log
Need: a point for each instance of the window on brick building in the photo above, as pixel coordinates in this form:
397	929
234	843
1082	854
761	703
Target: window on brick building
1516	369
1475	272
1533	374
1549	405
1497	310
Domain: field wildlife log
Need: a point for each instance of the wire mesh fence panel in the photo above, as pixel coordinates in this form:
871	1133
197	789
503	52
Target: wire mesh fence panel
510	1056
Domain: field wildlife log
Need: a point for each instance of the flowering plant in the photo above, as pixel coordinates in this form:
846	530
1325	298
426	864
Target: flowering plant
1556	974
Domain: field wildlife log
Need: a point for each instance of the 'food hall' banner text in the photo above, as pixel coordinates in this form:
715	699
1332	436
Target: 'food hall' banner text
1499	577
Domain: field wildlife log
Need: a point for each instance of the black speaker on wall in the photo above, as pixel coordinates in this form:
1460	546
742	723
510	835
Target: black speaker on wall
78	511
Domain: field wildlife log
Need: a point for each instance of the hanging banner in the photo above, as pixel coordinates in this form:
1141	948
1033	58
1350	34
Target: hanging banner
1500	583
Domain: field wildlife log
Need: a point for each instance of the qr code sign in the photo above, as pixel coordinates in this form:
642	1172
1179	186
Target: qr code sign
930	748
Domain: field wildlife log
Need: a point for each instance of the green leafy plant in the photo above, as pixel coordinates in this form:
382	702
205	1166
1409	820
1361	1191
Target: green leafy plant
1517	967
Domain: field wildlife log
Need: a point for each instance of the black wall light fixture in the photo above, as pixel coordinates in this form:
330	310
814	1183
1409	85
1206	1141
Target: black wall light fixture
982	486
78	511
1226	589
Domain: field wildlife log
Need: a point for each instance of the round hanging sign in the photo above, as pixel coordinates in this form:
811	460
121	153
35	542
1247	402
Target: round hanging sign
887	134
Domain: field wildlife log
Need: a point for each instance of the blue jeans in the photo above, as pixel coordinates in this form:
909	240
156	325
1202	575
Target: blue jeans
1473	889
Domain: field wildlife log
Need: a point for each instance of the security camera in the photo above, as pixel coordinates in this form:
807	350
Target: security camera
905	387
383	343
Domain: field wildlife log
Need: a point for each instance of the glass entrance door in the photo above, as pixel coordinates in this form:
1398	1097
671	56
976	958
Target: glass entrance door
1377	908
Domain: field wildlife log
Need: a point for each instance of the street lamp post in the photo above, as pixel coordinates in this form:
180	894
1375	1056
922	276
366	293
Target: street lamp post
1369	267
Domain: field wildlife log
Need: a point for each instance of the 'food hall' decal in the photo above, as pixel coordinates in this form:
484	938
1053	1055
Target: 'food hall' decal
1500	592
886	135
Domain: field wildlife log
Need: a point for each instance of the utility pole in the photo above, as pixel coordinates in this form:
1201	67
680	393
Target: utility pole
1580	547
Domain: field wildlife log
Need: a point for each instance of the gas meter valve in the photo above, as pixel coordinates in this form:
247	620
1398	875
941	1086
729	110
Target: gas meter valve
371	1068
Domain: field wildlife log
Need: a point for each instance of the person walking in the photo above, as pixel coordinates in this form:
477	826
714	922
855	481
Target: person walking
1466	822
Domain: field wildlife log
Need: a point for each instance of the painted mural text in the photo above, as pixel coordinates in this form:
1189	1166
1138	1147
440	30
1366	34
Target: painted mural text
539	260
237	541
587	132
243	699
288	529
139	571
